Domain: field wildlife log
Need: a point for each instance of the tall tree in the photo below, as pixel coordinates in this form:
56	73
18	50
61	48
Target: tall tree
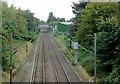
21	21
14	20
51	17
30	19
52	20
77	8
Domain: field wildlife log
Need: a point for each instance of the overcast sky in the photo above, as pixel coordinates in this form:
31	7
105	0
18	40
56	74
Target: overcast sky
42	8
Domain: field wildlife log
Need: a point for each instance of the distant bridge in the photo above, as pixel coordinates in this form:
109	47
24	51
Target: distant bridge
43	26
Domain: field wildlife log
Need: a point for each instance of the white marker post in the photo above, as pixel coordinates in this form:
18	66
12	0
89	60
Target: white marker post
58	41
72	44
75	47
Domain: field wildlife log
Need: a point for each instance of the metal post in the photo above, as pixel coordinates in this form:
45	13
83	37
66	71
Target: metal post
75	56
67	31
58	41
27	40
75	47
95	58
70	42
11	59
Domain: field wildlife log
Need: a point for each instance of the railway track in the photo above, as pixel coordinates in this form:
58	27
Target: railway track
61	74
50	64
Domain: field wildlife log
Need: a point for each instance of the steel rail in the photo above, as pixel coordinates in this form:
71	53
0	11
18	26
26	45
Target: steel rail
61	64
33	66
43	63
34	74
55	70
36	64
78	65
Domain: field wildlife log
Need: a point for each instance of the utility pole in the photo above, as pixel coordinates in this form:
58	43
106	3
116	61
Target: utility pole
11	59
95	58
27	39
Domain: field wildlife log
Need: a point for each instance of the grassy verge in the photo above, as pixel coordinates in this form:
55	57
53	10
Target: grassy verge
18	58
85	59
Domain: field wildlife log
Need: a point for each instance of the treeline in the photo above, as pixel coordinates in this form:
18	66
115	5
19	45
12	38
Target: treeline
19	23
101	18
52	20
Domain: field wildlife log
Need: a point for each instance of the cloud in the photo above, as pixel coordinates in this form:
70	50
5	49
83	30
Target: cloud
41	8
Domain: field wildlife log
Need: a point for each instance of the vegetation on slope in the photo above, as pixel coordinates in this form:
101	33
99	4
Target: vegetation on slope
19	23
101	18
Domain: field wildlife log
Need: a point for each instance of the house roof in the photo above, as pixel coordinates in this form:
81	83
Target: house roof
66	23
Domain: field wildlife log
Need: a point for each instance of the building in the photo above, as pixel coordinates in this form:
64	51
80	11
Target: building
63	26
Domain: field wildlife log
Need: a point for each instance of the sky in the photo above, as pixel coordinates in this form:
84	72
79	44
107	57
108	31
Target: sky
42	8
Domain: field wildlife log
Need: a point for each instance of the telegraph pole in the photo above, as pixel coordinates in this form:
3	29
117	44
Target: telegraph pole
11	59
95	58
27	39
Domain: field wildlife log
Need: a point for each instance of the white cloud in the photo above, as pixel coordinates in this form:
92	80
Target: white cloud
42	8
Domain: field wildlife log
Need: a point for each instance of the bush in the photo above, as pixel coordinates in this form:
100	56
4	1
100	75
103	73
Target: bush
88	63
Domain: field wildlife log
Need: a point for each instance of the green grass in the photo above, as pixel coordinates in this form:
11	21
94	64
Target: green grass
18	43
84	58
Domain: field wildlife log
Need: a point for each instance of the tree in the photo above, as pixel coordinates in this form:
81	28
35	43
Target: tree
30	19
51	17
21	21
62	20
43	22
77	8
14	21
101	18
108	49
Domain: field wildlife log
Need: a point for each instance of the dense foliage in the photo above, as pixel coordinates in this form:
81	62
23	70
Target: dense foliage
101	18
32	21
15	21
52	20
